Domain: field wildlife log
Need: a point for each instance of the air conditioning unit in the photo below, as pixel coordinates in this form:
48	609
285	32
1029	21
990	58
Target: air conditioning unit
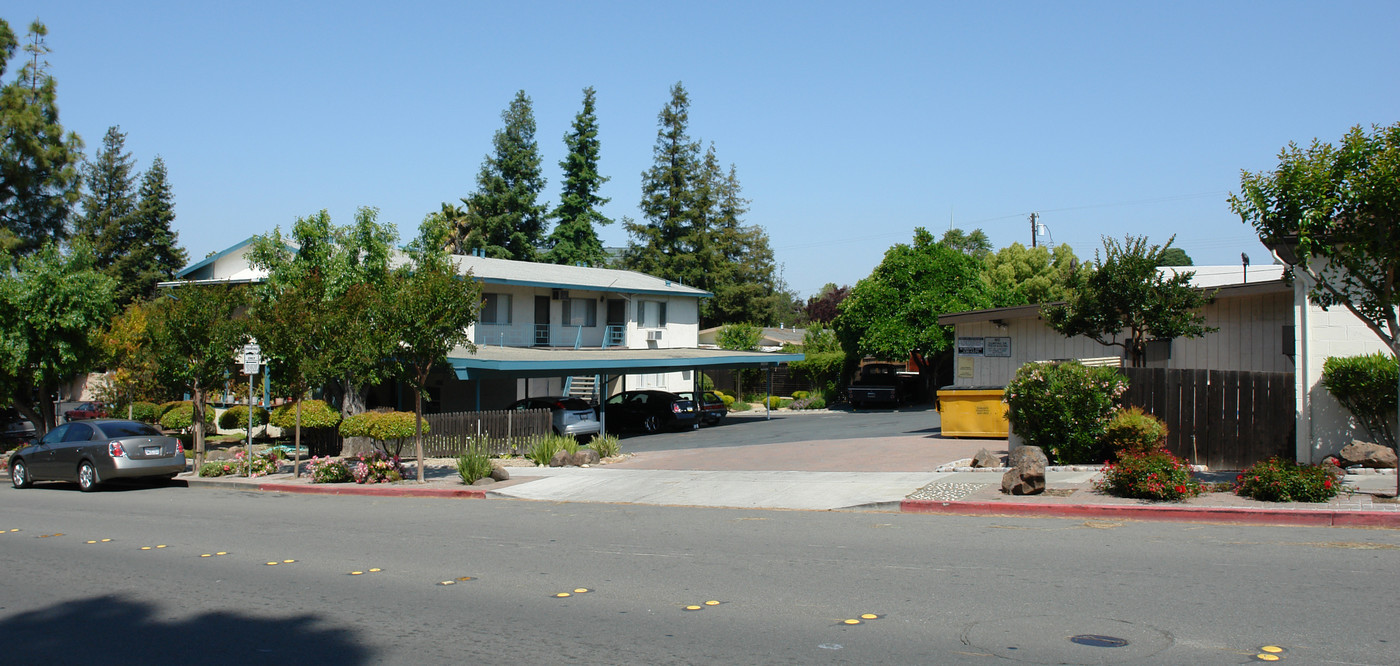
561	294
654	335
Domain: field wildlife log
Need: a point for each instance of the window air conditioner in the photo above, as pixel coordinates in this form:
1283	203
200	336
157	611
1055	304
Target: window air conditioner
654	335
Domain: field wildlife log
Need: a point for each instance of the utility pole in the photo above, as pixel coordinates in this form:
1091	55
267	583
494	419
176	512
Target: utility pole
1033	218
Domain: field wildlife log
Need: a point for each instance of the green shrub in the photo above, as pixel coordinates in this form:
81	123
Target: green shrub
357	425
783	403
181	417
314	414
374	467
1155	475
607	446
328	470
236	417
543	450
145	412
1280	480
569	445
1064	407
474	465
799	395
706	383
728	399
737	406
821	369
1133	431
808	403
167	406
218	468
264	462
1366	386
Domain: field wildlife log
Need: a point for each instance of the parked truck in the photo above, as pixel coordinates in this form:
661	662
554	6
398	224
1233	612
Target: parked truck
880	384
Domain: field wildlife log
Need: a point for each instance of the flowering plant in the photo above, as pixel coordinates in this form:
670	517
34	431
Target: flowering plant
375	467
1279	480
1152	475
264	463
218	468
1064	408
328	470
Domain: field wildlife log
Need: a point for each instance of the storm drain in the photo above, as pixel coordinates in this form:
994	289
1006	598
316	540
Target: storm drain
1095	640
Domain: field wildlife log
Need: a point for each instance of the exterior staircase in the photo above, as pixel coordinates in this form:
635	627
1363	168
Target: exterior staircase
584	387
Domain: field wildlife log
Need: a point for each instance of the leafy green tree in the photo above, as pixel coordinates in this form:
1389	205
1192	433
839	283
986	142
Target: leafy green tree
974	243
429	311
822	307
351	265
289	321
1333	214
196	333
132	372
110	199
893	313
575	238
1018	275
663	244
51	308
1123	299
742	336
503	217
1176	256
39	163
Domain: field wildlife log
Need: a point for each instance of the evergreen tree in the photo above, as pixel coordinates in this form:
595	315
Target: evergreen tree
503	217
745	282
110	202
150	252
575	240
660	244
39	173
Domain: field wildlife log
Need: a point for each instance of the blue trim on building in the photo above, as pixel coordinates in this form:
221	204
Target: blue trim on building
477	368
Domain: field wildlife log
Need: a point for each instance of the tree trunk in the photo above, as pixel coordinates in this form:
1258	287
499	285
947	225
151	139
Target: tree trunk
197	419
418	429
296	444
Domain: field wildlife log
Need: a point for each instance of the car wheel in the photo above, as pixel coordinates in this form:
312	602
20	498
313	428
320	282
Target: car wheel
19	475
651	423
87	477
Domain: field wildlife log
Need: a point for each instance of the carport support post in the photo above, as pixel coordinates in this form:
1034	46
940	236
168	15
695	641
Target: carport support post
603	407
768	401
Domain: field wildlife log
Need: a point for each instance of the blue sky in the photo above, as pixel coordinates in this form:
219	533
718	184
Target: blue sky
849	123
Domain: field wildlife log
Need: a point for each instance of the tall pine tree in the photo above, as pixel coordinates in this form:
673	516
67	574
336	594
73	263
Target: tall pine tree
107	206
152	246
575	239
39	174
503	217
659	245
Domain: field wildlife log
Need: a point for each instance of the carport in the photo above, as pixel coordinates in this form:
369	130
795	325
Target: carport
526	362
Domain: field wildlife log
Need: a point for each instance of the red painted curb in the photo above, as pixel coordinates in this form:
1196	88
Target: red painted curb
1303	517
375	491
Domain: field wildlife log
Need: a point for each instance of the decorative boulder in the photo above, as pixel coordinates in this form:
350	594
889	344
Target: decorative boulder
985	458
499	473
586	457
1027	473
561	459
1366	454
484	481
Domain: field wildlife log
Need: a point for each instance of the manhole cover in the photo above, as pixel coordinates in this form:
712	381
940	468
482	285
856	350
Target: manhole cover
1094	640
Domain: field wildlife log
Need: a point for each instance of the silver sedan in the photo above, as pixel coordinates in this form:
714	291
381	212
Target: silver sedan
96	451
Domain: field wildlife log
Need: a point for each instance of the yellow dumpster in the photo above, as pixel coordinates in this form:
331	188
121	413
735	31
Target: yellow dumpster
972	411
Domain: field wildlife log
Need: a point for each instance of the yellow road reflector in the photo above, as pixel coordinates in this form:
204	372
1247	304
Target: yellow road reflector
222	552
161	546
288	561
448	582
207	555
561	595
852	622
1266	657
1271	648
693	608
272	564
711	603
356	573
145	547
464	578
870	616
15	530
375	570
580	590
92	542
105	540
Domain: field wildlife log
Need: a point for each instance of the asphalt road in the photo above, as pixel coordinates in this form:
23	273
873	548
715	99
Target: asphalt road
942	589
753	428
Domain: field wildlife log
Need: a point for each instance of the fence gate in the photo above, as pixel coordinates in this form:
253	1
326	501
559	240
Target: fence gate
1225	419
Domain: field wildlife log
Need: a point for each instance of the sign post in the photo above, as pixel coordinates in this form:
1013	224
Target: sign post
252	358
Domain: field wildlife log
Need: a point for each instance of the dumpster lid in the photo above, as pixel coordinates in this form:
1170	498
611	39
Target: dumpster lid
953	387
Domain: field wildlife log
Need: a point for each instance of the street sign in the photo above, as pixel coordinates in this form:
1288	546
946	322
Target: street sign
252	358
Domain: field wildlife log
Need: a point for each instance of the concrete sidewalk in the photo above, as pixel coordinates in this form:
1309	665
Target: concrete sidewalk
886	474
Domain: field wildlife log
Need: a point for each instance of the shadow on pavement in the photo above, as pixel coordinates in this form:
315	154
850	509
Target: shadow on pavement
115	630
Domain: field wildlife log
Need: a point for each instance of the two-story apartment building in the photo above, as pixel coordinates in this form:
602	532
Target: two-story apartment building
547	329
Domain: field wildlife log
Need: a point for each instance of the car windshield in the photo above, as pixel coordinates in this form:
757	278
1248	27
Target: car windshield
128	429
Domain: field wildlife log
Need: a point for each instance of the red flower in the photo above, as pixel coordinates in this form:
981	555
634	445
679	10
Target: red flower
1181	489
1327	483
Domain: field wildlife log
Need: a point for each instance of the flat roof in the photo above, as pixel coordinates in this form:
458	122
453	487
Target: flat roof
560	361
1235	290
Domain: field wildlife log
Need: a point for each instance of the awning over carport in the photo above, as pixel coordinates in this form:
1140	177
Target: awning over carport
495	362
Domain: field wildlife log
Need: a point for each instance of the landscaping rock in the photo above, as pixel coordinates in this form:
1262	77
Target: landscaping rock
484	481
561	459
985	458
499	473
1367	454
1027	473
586	457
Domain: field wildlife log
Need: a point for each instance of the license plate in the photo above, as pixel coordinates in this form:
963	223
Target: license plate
151	450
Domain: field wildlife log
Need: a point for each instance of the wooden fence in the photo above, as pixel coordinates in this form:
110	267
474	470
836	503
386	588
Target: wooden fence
1225	419
499	432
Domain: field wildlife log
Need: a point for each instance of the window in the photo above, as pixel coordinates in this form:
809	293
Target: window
651	314
495	309
580	312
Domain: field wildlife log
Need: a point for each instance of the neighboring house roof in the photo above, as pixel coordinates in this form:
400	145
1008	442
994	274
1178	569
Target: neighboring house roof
772	337
1225	281
552	362
484	269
